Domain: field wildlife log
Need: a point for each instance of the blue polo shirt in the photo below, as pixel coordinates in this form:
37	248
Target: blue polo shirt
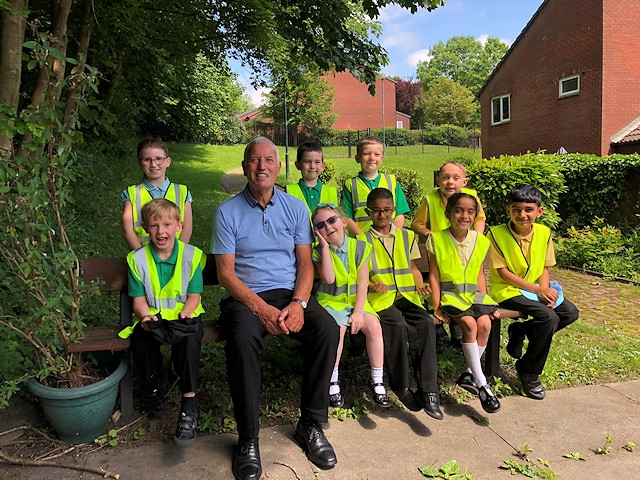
263	240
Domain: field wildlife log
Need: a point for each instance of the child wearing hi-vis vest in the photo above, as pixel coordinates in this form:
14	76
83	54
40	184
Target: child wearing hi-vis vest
153	160
430	217
521	254
395	286
165	282
343	267
459	290
310	189
369	154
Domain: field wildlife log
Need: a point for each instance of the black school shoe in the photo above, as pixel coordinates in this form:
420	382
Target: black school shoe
336	400
489	401
532	386
408	399
311	438
467	382
246	462
381	399
431	404
186	431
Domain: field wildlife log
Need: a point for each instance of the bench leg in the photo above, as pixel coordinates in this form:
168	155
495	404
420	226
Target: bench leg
126	392
492	354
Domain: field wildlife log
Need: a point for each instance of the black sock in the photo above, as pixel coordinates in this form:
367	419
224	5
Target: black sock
188	405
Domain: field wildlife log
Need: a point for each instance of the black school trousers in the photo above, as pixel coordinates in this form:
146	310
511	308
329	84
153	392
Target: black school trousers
244	335
539	330
185	358
402	323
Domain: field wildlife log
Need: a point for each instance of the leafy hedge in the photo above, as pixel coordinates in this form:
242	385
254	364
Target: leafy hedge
495	178
434	135
596	185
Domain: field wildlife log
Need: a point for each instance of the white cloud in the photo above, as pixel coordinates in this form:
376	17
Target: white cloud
483	40
256	95
418	56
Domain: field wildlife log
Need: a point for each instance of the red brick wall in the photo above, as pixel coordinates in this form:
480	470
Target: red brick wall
357	109
621	79
563	38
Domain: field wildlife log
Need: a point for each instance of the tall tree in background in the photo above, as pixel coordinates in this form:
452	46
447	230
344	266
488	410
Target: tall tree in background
407	93
464	59
446	102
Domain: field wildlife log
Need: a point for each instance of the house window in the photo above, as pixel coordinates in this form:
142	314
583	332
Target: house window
399	124
569	86
500	109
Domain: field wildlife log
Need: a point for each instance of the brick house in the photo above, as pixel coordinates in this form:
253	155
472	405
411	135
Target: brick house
571	79
357	108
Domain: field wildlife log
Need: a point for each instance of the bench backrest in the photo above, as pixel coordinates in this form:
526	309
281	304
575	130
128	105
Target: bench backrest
112	275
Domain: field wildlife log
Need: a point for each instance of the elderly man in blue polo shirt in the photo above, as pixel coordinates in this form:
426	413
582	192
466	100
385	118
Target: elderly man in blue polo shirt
262	241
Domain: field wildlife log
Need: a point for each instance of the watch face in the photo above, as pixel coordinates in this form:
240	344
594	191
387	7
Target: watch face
302	303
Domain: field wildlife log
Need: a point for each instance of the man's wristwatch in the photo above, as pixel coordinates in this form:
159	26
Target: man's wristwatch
302	303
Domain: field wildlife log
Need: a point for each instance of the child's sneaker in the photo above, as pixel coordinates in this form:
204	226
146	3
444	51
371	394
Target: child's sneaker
186	431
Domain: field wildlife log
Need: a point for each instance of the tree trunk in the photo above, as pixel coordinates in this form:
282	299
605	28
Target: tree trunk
59	15
11	40
86	28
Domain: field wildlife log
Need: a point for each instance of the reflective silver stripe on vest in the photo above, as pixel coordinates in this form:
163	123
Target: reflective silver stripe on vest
336	291
145	274
357	203
138	222
459	287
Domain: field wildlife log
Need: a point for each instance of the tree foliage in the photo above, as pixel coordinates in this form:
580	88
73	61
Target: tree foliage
463	59
446	102
407	94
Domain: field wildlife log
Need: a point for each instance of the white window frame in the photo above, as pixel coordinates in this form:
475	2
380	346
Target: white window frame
503	118
562	94
399	123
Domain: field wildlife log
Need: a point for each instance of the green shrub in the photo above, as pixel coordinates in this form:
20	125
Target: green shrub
601	248
595	185
495	178
328	173
447	135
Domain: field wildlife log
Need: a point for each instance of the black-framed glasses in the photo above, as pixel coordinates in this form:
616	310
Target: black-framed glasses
328	221
158	160
377	211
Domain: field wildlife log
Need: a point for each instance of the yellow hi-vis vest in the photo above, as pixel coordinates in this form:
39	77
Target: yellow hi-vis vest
140	196
437	219
328	194
394	272
342	292
359	192
516	261
458	284
171	298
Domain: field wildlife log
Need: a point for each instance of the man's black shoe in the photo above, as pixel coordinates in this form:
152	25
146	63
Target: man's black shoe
516	340
186	431
319	451
408	399
532	385
431	405
468	383
246	463
154	402
381	399
489	401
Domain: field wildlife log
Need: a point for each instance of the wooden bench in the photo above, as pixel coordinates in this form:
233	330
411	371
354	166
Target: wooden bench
492	354
112	275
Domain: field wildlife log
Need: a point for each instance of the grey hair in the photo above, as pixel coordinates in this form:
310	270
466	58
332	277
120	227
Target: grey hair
256	141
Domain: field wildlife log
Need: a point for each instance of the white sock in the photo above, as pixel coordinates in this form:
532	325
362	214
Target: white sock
481	351
470	351
333	389
376	377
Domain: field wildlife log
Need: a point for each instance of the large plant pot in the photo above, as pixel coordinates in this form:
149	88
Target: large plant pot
79	415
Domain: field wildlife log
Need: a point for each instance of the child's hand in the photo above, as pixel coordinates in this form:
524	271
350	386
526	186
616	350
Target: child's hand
425	290
321	240
549	295
440	315
495	315
144	323
379	287
356	321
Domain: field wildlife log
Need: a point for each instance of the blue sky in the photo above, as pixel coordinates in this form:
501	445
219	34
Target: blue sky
407	37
